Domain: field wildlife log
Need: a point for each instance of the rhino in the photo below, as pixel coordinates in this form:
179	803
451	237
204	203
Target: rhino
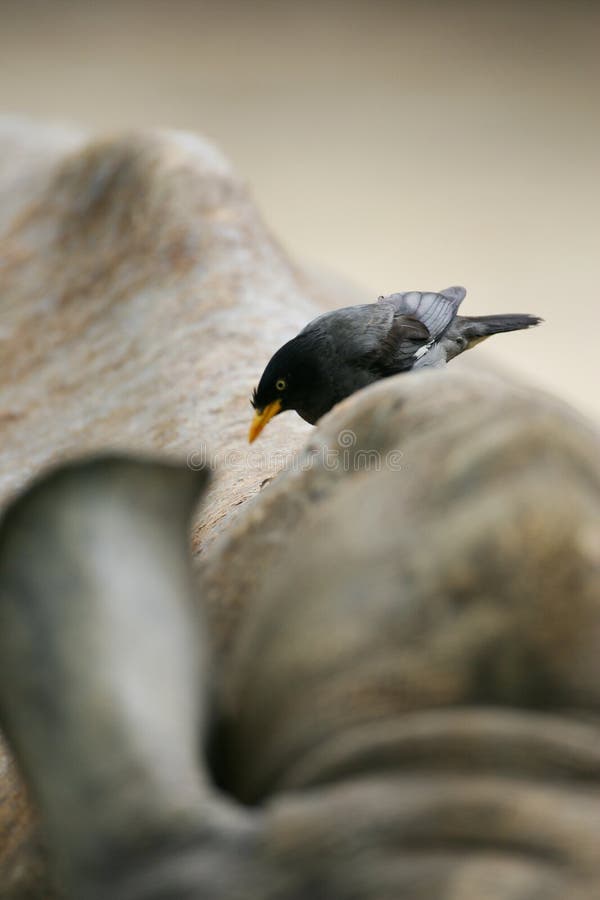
375	677
406	706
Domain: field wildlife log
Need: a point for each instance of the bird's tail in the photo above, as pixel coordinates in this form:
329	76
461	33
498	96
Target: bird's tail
482	326
476	328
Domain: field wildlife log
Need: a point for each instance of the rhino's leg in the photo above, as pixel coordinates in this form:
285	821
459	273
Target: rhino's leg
101	659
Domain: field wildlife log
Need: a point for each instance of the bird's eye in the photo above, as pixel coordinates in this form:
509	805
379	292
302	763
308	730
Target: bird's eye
280	384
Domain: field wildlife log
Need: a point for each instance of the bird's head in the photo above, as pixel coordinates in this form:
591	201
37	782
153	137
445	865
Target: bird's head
293	379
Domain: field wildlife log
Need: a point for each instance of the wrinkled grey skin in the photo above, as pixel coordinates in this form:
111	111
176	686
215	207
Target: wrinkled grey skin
407	731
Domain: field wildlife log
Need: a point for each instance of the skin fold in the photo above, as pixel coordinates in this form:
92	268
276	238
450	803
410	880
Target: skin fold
368	734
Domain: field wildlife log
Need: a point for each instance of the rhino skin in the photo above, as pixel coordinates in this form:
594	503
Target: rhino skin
385	724
394	655
127	264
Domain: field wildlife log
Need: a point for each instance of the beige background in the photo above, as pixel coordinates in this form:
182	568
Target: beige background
402	145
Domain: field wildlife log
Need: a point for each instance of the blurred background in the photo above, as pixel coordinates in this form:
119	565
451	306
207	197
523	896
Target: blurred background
399	144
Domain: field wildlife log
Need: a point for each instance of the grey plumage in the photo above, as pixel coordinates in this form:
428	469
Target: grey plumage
449	333
414	329
342	351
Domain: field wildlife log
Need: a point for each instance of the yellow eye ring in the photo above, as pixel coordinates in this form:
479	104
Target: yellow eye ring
280	384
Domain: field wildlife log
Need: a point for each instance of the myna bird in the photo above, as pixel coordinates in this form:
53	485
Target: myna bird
342	351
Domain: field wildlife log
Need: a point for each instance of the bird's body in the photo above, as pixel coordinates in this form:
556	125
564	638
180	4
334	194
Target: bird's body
347	349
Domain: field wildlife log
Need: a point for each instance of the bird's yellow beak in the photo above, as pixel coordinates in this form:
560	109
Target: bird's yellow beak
261	418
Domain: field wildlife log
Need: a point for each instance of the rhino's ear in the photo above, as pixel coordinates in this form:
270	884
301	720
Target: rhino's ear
104	665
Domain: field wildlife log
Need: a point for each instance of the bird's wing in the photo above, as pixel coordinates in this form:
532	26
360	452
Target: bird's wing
352	330
388	344
372	336
434	310
406	339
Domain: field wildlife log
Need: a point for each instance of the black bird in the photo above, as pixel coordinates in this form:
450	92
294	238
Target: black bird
342	351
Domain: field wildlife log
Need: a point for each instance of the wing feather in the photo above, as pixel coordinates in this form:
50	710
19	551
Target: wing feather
435	310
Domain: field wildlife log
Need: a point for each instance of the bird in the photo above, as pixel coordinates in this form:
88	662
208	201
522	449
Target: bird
347	349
